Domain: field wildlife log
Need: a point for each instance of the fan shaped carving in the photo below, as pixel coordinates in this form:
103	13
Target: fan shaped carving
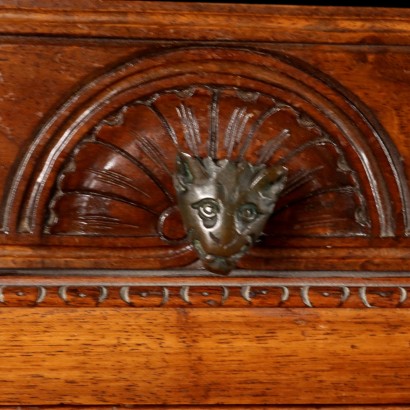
118	180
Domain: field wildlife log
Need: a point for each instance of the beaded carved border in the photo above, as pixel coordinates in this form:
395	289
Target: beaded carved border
94	291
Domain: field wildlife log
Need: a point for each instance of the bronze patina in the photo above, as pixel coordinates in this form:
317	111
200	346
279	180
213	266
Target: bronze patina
225	205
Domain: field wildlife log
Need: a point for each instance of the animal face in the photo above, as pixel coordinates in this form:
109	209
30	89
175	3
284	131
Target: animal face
225	205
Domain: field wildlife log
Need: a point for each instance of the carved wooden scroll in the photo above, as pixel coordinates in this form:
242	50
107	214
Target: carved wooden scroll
103	165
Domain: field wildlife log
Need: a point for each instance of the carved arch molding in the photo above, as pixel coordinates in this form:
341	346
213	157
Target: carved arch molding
102	166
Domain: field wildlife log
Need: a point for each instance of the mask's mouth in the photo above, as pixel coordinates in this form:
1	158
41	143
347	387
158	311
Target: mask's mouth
219	264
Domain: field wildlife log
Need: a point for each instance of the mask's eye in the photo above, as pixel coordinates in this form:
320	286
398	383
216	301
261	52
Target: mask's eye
208	210
248	213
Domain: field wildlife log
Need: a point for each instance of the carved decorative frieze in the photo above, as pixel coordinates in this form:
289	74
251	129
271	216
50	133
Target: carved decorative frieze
191	293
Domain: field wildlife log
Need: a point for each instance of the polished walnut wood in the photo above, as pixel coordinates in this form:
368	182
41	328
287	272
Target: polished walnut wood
102	299
182	357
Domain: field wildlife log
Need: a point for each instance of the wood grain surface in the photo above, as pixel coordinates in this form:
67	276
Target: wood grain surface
204	22
89	357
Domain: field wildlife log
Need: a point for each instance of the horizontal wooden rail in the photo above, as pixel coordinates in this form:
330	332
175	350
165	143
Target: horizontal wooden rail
185	21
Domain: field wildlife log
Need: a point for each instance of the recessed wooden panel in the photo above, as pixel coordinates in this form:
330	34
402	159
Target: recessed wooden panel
185	356
98	171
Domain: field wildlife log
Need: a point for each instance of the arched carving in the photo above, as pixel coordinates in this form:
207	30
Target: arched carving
103	165
121	173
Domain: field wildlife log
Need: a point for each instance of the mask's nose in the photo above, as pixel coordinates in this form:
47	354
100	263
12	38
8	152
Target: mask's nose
225	235
226	240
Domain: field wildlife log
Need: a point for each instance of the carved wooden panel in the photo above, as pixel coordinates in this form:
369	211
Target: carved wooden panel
102	166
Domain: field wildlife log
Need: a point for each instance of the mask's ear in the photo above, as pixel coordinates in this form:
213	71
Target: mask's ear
269	182
188	170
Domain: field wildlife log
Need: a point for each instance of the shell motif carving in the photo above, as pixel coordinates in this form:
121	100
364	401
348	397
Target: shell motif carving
119	179
103	166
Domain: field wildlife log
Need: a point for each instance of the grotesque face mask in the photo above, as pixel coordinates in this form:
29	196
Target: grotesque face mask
225	205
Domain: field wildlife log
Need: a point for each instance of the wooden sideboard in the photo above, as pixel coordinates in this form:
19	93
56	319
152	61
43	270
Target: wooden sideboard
105	302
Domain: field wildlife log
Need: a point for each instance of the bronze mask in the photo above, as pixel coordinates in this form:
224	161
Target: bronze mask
225	205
